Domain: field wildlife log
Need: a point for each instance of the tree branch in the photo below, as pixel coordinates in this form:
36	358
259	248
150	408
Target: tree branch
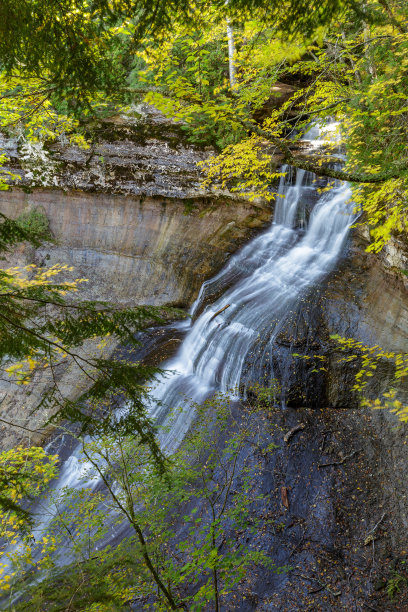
305	164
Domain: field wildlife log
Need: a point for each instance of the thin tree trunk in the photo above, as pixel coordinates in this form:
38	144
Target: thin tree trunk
130	515
215	575
367	52
353	65
231	53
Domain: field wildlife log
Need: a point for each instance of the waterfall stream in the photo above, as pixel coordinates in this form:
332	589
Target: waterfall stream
271	274
247	301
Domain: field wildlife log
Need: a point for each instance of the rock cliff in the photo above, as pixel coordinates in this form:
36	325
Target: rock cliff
130	216
129	213
365	298
134	250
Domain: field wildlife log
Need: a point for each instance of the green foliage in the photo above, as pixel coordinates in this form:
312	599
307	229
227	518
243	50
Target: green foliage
34	222
43	328
24	473
78	47
353	71
395	584
209	483
190	65
69	44
26	105
101	583
369	360
5	175
266	396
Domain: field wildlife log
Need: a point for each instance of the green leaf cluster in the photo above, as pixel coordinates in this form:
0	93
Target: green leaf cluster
208	484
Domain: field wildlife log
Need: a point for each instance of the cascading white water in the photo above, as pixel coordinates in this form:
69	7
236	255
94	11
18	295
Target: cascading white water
273	272
264	282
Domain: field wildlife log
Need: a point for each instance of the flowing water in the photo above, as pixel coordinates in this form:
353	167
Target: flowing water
247	301
266	279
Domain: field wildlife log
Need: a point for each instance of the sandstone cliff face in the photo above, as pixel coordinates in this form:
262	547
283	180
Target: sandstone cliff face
129	213
130	216
367	297
134	250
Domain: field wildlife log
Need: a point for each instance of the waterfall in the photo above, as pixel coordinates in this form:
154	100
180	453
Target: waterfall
252	296
271	274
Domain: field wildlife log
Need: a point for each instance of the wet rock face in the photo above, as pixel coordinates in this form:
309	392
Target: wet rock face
368	298
365	298
314	533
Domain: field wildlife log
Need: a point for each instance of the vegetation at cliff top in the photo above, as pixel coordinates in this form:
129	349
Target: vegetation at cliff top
67	62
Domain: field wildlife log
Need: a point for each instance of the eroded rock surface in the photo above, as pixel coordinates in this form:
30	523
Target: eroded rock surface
142	153
365	298
134	250
129	215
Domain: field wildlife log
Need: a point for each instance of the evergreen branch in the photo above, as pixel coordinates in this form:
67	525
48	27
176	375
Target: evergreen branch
394	21
21	296
46	341
27	94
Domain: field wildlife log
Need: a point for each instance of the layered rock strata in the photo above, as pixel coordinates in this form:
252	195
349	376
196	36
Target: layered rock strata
130	216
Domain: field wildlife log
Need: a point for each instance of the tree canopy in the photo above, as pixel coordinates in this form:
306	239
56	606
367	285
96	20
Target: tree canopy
65	61
78	44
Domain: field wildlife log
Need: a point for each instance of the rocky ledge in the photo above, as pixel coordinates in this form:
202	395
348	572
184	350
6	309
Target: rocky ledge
141	153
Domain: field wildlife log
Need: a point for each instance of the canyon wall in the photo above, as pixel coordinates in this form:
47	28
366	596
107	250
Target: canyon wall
367	299
364	298
129	213
134	250
130	216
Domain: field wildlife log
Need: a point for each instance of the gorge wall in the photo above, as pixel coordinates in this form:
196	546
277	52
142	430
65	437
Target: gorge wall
137	250
367	299
129	213
364	298
134	222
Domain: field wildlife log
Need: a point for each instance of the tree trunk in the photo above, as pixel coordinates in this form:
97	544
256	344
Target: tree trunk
231	53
